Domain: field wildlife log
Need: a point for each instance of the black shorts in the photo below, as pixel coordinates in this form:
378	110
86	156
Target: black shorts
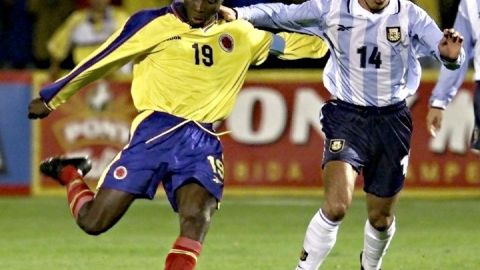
374	140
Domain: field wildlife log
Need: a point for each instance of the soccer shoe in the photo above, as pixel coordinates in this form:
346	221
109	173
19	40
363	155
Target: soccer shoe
53	166
361	266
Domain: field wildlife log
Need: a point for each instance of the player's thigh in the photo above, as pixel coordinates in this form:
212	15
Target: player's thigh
339	182
193	199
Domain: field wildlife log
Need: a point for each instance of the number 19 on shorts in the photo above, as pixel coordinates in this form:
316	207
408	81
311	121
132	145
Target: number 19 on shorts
217	168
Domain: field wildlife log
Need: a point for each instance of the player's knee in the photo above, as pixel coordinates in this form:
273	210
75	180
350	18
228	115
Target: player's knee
380	222
194	216
335	211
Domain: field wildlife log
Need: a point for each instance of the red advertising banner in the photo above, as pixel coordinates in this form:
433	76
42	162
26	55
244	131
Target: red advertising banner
95	122
275	137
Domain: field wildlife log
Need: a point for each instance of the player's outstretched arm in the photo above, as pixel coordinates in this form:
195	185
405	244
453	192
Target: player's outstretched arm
38	109
303	18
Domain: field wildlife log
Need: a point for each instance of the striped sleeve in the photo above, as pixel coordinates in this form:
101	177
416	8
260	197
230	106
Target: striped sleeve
429	36
303	18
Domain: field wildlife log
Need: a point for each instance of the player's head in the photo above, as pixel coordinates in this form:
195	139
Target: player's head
99	5
374	5
200	12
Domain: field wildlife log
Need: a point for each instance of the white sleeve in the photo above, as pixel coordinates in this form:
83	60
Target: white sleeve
304	18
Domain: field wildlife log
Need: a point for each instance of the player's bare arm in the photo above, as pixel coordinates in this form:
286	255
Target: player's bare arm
450	45
38	109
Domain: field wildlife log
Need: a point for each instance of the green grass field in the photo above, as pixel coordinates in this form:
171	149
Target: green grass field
247	233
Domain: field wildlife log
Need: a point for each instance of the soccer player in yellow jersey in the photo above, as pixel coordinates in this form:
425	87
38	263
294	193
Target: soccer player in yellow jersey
188	68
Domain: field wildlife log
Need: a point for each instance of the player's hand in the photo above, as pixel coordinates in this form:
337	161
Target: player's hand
37	109
450	45
227	13
434	120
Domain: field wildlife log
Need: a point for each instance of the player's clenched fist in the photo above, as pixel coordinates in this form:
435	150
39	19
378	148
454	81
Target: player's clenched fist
38	109
450	45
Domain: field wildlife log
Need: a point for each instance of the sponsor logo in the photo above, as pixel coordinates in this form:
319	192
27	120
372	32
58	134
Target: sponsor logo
226	42
394	34
174	38
336	145
97	118
342	27
120	173
217	181
100	97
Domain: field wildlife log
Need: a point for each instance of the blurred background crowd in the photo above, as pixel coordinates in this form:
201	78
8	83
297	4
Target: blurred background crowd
56	34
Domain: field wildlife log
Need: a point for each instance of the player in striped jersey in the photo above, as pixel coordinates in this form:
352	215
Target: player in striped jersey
467	22
188	68
373	67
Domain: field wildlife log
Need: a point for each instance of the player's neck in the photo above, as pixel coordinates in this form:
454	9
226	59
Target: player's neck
179	10
373	8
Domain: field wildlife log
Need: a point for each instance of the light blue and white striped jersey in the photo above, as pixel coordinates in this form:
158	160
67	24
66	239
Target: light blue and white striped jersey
373	58
467	23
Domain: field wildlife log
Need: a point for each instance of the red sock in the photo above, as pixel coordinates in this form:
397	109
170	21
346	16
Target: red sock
78	192
183	255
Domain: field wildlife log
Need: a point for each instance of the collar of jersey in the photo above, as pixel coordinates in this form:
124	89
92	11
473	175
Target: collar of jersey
393	7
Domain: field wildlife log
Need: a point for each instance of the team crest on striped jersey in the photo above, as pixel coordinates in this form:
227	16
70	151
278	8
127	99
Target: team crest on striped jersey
226	42
394	34
336	145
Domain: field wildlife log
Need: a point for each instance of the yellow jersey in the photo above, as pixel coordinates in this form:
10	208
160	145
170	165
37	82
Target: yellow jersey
81	34
193	73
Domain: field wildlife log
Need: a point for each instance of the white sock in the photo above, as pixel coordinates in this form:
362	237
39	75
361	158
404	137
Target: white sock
319	240
375	245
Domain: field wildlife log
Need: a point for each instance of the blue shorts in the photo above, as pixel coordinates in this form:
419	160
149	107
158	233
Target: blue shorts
374	140
167	149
